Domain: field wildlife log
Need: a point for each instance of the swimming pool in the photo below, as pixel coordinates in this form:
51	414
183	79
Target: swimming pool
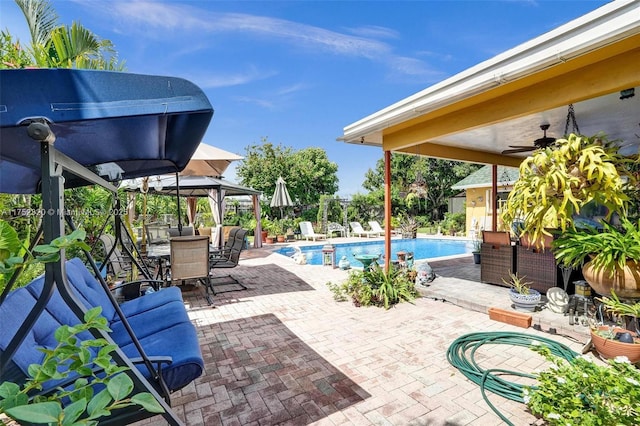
422	248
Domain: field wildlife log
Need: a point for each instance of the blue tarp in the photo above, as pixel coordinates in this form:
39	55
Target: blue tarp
146	125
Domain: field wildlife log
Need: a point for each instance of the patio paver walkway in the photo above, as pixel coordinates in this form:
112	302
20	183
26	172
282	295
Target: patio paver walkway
284	352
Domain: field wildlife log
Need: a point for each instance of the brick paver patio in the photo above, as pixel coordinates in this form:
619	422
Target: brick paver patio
284	352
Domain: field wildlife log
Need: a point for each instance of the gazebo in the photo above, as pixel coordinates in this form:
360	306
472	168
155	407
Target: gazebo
193	187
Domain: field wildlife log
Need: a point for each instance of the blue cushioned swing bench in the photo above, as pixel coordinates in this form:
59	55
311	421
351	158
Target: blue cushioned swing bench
64	128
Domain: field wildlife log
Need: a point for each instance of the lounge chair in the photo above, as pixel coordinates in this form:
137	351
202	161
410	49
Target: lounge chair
307	232
375	227
358	231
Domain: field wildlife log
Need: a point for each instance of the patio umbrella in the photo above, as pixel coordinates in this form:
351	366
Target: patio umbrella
208	160
281	196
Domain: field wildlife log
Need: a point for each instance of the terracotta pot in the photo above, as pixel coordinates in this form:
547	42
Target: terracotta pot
608	348
625	282
281	238
269	240
264	236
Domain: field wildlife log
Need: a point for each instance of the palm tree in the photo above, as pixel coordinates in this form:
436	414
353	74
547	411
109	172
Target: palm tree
60	46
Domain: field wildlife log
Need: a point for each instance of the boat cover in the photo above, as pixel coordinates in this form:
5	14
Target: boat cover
138	125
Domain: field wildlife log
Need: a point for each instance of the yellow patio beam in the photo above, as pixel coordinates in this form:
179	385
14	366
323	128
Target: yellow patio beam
576	80
445	152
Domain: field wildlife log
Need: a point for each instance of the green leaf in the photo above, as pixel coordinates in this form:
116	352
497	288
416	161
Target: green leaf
120	386
8	389
73	411
98	403
148	402
42	412
92	314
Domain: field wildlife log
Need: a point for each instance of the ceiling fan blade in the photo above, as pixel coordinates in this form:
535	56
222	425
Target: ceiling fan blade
517	150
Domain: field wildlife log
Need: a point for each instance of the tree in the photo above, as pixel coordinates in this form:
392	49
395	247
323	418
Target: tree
12	55
307	172
59	46
419	184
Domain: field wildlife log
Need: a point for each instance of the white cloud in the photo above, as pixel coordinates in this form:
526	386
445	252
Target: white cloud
374	31
148	19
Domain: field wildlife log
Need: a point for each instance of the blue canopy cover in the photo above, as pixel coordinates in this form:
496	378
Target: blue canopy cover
140	125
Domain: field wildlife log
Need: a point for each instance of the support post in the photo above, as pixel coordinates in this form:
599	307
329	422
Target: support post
387	209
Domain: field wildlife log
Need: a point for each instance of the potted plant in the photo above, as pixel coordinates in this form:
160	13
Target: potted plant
612	340
524	298
477	247
610	258
556	182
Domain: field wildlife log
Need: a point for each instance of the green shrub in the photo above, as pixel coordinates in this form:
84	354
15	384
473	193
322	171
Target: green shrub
581	392
375	287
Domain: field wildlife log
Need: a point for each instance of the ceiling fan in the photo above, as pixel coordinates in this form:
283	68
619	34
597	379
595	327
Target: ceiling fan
539	143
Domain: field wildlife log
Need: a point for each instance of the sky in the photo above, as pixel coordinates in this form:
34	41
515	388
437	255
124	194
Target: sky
298	72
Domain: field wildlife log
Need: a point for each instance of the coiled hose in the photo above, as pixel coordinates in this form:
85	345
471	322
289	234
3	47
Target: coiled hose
461	354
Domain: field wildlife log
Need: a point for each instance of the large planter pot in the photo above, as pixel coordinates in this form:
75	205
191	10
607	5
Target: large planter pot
525	302
610	348
625	282
264	236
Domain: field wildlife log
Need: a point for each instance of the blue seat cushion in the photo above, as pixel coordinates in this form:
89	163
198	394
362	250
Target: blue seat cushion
159	321
187	362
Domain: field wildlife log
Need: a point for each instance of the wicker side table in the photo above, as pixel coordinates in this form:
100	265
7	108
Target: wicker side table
497	262
538	266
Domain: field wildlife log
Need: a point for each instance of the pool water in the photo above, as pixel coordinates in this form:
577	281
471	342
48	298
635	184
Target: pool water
422	248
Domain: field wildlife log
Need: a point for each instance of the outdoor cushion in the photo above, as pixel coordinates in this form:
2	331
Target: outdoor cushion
187	361
159	321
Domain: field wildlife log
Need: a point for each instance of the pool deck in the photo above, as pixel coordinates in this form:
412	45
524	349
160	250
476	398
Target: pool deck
284	352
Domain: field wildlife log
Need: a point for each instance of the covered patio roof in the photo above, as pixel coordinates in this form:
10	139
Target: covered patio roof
476	114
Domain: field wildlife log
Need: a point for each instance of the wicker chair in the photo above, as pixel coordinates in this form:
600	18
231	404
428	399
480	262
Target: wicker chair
538	264
190	260
498	257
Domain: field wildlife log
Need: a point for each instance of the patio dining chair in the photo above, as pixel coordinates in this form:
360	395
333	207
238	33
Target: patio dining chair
227	257
190	260
157	233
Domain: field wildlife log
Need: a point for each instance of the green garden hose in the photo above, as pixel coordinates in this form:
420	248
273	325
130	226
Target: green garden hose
461	354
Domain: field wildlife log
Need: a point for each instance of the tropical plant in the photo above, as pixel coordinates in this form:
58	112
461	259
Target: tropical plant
615	306
376	287
477	244
60	46
556	182
608	249
408	226
71	361
14	253
419	185
518	283
581	392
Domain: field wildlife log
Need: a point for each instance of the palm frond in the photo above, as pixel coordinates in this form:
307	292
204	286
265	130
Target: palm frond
41	19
